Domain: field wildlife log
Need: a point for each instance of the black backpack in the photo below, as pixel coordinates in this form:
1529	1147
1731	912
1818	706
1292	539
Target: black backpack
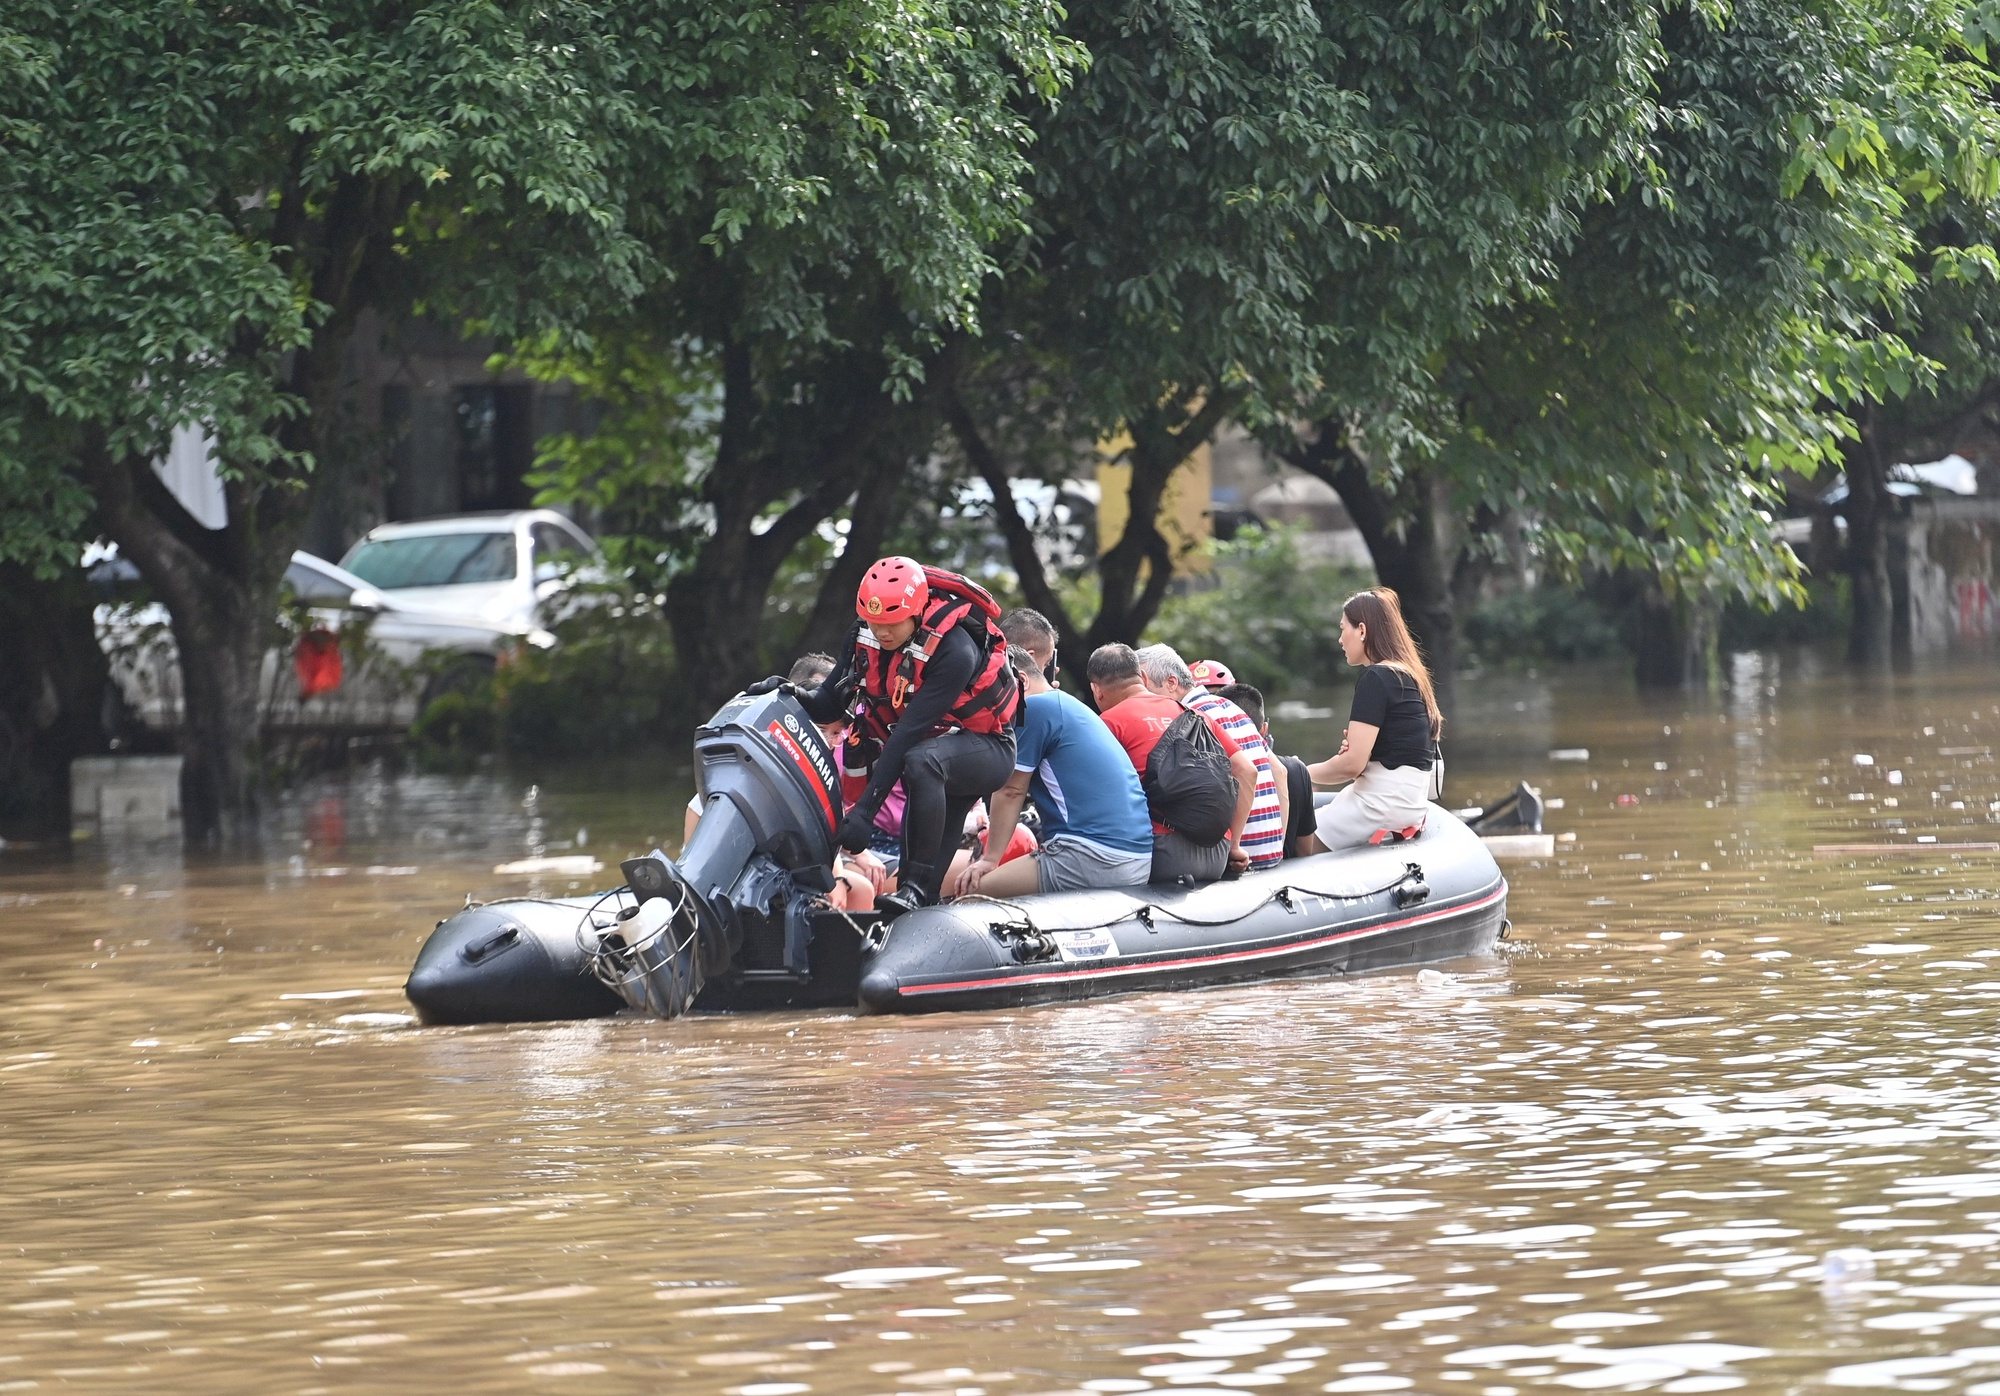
1188	784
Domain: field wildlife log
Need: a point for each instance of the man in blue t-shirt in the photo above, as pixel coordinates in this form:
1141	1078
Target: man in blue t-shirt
1095	829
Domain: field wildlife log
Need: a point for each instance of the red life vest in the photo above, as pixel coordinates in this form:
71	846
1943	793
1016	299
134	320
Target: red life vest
989	703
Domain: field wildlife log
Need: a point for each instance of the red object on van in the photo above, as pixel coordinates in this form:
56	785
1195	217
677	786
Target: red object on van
316	660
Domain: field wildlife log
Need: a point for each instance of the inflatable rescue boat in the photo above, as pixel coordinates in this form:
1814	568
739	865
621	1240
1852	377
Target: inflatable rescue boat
742	920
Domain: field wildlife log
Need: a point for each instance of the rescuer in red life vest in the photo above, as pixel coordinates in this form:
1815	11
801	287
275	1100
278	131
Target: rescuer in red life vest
933	703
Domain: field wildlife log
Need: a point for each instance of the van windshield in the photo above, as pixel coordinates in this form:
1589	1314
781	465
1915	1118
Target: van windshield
434	560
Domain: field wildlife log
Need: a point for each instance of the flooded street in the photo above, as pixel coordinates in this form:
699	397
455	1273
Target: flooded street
1725	1116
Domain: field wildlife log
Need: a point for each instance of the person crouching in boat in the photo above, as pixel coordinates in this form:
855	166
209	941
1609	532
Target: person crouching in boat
934	704
1095	831
1392	730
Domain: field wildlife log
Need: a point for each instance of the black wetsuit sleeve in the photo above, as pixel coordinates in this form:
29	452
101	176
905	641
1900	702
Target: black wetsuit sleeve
946	675
836	690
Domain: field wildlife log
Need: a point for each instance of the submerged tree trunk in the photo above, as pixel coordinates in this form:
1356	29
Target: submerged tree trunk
222	644
53	683
220	587
1676	641
1134	573
831	625
1405	534
1036	587
1871	631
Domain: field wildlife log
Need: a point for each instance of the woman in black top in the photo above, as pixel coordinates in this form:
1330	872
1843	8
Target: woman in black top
1392	730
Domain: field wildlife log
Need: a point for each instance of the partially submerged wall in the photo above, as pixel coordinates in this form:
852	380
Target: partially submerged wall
1953	571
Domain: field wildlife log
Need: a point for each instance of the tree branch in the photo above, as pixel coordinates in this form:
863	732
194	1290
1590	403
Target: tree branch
1330	457
1014	530
136	503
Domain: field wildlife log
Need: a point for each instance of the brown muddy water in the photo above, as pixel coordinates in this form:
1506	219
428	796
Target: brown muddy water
1723	1118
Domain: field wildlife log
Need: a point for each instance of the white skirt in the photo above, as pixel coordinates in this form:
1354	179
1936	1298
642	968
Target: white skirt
1380	798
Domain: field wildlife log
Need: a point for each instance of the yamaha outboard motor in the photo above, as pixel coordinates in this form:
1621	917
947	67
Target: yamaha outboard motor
739	902
737	907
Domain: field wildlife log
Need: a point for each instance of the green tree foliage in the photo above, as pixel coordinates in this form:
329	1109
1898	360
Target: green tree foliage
200	205
1921	373
1643	401
1265	209
828	237
1706	318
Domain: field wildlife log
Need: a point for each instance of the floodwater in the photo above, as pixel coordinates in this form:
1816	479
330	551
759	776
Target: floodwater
1724	1117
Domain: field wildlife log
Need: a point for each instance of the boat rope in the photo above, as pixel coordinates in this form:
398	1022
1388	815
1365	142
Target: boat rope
871	937
1146	912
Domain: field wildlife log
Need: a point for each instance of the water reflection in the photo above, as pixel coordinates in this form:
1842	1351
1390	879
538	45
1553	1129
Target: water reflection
1723	1118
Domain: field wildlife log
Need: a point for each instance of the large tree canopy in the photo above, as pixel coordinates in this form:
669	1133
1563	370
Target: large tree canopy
1259	208
1613	264
829	234
1698	329
1600	263
199	205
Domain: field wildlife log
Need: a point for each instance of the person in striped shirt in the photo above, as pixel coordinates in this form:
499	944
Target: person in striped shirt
1262	844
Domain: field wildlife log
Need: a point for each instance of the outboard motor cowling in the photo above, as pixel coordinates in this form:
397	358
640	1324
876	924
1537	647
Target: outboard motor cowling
739	899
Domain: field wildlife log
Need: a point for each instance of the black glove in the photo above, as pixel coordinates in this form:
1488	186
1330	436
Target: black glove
855	830
777	683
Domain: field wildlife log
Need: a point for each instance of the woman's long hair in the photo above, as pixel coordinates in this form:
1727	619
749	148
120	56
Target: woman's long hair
1387	640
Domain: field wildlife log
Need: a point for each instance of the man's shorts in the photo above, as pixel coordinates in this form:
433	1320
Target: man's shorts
1067	863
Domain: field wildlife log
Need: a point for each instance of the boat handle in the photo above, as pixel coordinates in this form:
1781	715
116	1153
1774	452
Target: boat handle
492	945
1412	889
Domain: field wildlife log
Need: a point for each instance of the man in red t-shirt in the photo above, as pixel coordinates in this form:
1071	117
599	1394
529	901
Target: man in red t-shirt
1137	717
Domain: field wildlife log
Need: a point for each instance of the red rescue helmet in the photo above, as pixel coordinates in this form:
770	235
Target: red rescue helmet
1210	674
894	589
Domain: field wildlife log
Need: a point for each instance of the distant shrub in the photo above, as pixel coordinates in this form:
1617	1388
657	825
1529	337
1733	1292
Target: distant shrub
1266	610
1543	625
1826	615
456	723
609	683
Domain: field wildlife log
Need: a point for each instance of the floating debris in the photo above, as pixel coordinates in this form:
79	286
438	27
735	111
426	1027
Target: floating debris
1520	845
567	865
1847	1266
